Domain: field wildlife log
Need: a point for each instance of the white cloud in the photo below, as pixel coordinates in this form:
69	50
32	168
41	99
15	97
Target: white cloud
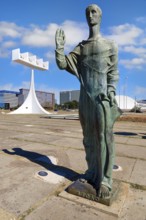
9	44
139	51
5	46
75	32
125	34
9	32
40	37
143	41
131	39
50	56
44	37
10	86
8	29
135	63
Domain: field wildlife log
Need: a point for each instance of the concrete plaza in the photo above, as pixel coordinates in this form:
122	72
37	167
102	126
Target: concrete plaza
33	143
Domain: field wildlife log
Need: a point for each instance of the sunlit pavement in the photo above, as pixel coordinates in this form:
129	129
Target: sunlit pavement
41	156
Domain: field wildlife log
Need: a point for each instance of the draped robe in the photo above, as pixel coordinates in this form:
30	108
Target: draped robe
94	63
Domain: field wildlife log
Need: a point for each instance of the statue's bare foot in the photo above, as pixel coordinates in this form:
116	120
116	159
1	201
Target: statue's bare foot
104	192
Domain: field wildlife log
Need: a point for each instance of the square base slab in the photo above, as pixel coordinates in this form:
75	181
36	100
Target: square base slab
86	190
114	209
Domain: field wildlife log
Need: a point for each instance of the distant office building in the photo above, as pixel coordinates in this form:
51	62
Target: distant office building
64	97
75	94
46	99
124	102
8	99
68	96
12	99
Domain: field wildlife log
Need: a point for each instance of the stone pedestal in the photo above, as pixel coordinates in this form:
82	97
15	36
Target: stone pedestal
86	190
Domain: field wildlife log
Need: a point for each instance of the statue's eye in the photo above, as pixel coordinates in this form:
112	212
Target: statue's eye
94	11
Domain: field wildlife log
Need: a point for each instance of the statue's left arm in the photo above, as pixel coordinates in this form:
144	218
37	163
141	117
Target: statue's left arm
113	74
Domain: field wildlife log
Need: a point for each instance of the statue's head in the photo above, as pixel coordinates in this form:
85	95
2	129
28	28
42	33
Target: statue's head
93	15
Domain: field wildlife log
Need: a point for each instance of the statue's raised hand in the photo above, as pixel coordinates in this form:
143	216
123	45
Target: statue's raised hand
60	38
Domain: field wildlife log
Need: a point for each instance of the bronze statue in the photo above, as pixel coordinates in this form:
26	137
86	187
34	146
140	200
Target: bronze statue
94	63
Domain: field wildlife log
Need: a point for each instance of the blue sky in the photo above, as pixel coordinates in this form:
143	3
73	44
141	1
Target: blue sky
31	25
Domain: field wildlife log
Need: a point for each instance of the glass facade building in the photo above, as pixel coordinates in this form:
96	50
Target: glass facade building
69	96
46	99
12	99
8	99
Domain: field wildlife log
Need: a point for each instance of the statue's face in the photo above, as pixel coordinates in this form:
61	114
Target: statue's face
92	15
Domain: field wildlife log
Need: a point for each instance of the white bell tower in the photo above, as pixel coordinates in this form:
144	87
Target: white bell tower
31	105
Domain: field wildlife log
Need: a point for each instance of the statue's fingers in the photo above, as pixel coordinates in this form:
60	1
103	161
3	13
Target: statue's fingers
62	34
62	31
57	33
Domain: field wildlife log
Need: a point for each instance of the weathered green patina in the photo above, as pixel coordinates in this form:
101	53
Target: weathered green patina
94	62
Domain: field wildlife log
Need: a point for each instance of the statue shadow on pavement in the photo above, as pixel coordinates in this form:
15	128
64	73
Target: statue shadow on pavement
45	162
125	133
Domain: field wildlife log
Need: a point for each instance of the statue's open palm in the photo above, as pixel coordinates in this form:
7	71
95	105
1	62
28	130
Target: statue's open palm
60	38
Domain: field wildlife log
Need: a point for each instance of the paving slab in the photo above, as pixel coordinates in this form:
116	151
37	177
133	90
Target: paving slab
138	176
69	143
77	160
121	140
51	138
23	196
32	137
9	143
6	215
135	206
62	209
132	151
127	165
39	129
139	142
20	190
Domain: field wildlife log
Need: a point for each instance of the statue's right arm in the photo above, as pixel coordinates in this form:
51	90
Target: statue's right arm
59	52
